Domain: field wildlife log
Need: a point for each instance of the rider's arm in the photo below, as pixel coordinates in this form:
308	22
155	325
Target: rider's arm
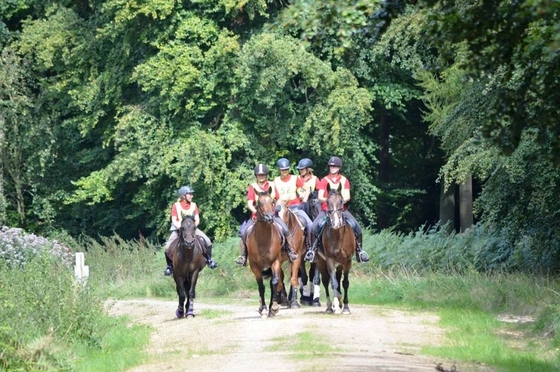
251	206
346	191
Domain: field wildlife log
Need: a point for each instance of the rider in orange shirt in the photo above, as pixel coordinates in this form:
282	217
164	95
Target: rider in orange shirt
334	179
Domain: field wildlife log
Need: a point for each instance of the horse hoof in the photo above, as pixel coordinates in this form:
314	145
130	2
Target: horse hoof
316	303
179	314
346	311
275	308
294	305
190	316
329	311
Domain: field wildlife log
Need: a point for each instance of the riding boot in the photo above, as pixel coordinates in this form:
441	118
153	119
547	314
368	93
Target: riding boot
169	270
242	260
361	255
211	263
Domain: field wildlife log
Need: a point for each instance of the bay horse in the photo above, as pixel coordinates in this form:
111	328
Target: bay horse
264	250
188	261
297	239
335	259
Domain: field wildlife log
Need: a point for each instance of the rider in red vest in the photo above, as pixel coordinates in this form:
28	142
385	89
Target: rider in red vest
185	207
261	185
311	184
334	179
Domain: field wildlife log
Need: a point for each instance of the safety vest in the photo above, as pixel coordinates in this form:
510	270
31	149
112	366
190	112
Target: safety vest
287	190
258	189
309	185
185	212
341	181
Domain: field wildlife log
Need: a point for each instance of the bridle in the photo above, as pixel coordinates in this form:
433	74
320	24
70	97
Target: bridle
261	215
187	238
335	212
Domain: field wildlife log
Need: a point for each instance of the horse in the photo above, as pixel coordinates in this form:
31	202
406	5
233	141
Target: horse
188	262
310	281
335	260
297	238
264	250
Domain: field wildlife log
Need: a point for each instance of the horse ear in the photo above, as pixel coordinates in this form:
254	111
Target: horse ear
269	191
328	187
339	188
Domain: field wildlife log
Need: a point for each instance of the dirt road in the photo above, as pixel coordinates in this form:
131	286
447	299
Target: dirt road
233	337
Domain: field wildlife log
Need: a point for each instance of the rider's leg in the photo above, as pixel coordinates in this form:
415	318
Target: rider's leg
361	255
208	251
287	247
169	254
242	259
316	230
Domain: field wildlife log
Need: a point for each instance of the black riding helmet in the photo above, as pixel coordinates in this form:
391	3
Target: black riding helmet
283	164
261	169
304	163
184	190
335	161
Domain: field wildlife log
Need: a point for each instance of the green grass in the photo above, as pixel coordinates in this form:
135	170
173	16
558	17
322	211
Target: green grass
303	345
121	348
467	300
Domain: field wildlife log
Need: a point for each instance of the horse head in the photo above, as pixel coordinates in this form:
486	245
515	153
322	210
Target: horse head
335	207
188	230
265	206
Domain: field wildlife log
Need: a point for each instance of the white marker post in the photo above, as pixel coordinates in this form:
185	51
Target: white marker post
81	271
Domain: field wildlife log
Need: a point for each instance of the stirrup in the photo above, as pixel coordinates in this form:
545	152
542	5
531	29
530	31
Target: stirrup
168	271
309	256
241	260
293	255
211	263
363	257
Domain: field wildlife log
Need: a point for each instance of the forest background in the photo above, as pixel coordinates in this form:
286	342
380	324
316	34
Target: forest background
108	107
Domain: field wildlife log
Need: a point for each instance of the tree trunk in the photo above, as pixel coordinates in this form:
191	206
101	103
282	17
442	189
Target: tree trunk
447	206
465	204
384	168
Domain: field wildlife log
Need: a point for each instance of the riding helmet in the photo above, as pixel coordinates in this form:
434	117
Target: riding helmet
261	169
335	161
283	164
185	190
304	163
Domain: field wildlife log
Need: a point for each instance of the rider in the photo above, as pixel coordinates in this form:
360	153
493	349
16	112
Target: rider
311	183
334	179
185	207
292	191
261	185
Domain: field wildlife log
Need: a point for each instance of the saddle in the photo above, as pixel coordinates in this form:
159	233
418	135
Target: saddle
276	225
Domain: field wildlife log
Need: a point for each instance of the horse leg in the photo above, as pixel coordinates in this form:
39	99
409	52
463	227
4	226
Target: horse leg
192	294
262	307
334	283
338	290
325	279
294	283
316	285
275	294
345	285
180	285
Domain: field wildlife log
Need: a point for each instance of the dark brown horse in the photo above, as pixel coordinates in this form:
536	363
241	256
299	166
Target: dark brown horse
335	260
264	243
297	239
188	261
